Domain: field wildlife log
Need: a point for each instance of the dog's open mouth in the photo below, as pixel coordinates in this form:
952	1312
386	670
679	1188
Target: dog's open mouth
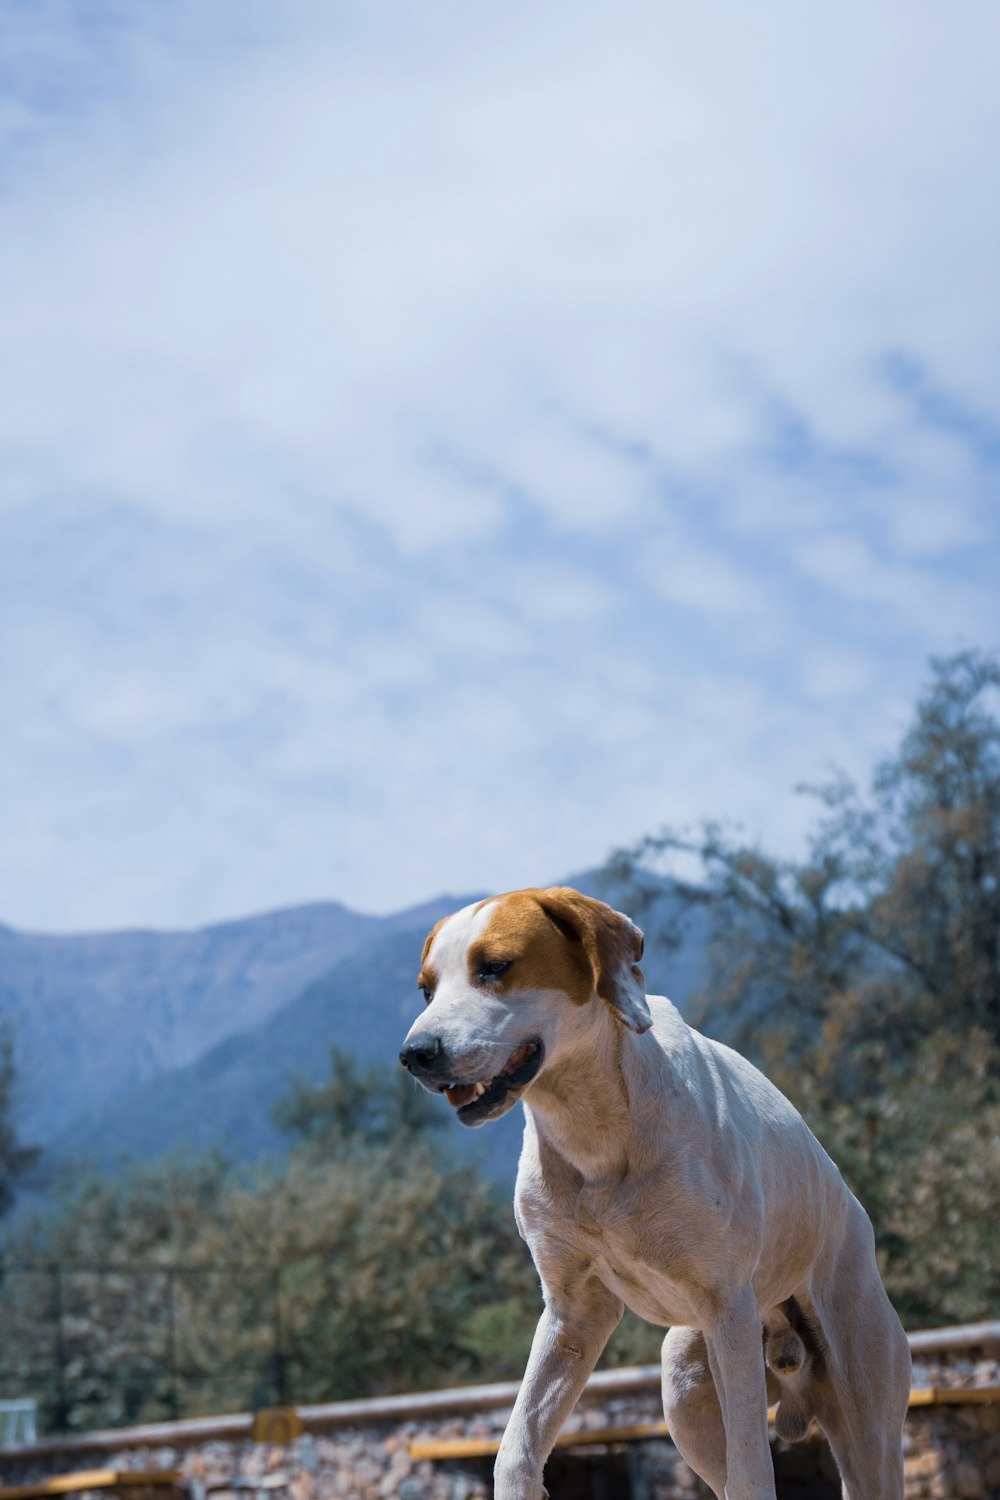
477	1102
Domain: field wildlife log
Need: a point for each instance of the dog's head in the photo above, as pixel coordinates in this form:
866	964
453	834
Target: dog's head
509	984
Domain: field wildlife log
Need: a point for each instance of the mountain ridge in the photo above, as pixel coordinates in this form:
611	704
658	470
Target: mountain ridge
285	987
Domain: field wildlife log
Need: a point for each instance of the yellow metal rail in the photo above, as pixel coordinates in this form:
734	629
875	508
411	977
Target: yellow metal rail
91	1479
485	1447
954	1395
437	1448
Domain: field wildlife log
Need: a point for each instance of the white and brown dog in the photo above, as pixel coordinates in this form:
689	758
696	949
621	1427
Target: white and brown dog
662	1172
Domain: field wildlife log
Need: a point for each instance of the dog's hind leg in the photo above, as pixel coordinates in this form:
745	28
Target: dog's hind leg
861	1394
866	1444
691	1406
863	1420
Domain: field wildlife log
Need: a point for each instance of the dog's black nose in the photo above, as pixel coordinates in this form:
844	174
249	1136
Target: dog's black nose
422	1053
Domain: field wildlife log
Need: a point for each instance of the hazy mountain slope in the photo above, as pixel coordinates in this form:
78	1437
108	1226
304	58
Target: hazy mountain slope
364	1005
95	1012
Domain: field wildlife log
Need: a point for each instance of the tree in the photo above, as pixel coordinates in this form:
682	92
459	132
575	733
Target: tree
387	1254
98	1303
366	1262
15	1158
401	1265
865	979
370	1104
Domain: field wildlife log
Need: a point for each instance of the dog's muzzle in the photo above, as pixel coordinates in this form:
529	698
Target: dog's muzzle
474	1100
425	1057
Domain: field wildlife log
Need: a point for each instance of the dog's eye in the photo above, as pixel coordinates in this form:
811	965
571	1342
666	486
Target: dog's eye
494	969
427	993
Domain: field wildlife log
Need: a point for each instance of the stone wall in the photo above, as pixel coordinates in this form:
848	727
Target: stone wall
952	1452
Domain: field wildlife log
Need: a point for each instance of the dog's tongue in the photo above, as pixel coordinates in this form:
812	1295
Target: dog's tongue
462	1093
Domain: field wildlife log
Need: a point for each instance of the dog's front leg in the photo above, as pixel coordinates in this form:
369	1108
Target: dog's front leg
566	1347
737	1359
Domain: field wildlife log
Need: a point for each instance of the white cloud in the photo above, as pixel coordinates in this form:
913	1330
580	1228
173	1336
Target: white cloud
835	674
581	483
448	410
543	592
691	575
930	605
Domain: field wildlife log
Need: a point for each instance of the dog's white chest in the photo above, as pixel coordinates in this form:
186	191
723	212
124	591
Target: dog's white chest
632	1258
649	1294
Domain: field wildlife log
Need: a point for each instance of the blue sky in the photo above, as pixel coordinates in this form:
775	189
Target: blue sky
441	443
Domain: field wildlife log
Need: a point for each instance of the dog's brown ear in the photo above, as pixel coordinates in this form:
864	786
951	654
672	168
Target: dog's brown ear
613	945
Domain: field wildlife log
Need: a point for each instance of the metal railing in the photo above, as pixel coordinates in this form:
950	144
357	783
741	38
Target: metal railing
433	1406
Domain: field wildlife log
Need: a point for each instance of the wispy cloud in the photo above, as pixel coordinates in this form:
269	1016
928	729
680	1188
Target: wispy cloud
437	445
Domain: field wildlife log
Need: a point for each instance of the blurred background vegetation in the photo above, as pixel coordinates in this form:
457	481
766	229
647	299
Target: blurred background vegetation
864	979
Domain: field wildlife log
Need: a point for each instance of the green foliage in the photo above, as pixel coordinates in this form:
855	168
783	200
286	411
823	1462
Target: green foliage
497	1335
149	1212
392	1260
366	1104
923	1154
101	1297
634	1342
866	981
366	1263
15	1159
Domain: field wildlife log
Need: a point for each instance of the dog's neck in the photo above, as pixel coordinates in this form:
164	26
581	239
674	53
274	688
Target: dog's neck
583	1105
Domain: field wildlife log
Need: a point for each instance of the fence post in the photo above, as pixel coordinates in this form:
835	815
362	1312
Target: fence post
280	1365
174	1390
62	1397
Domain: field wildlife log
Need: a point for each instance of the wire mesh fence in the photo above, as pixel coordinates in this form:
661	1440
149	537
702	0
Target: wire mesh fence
114	1344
